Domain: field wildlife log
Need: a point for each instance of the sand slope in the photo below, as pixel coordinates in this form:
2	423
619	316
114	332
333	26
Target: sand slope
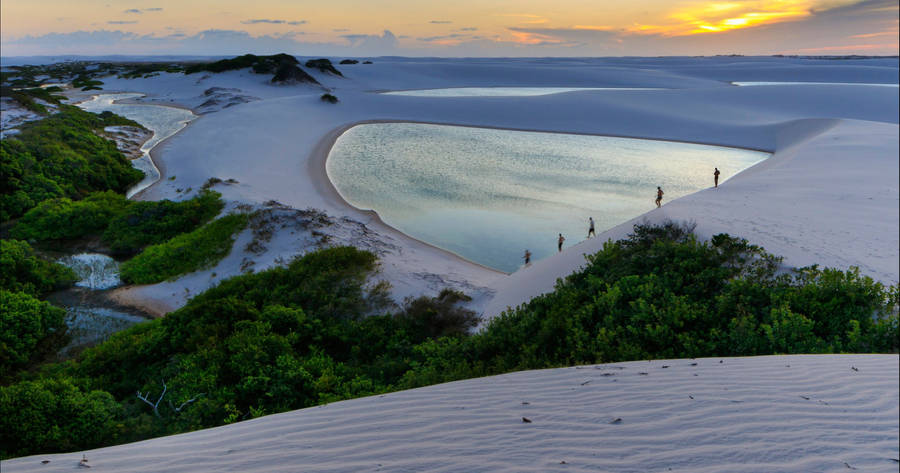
829	196
776	414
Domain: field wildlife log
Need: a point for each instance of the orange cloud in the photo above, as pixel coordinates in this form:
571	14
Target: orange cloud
724	16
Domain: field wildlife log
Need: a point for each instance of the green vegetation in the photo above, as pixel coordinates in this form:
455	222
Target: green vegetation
184	253
25	97
329	98
61	156
126	226
29	330
135	71
663	294
62	218
54	415
309	333
145	223
22	271
323	65
349	61
284	67
85	82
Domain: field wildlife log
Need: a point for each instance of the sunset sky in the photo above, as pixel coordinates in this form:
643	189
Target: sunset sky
449	28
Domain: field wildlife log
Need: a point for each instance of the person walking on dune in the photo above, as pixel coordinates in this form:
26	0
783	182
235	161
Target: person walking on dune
716	178
527	257
659	194
591	228
561	240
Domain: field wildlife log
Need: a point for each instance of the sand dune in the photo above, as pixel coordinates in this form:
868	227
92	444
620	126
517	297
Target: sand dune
776	414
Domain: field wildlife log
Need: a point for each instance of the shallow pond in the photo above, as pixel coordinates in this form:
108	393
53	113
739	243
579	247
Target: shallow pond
487	195
500	91
161	120
94	270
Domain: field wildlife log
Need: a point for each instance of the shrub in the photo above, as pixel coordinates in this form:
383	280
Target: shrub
441	316
54	415
145	223
349	61
323	65
22	271
62	218
61	156
329	98
30	328
184	253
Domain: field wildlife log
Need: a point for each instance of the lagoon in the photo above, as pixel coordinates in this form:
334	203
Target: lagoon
162	120
501	91
488	194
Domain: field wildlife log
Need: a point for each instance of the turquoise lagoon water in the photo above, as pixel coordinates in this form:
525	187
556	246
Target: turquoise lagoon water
487	195
161	120
501	91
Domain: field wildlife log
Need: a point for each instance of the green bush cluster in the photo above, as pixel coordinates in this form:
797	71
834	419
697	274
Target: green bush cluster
311	332
23	271
29	330
126	226
145	223
661	293
25	97
61	156
323	65
54	415
64	219
184	253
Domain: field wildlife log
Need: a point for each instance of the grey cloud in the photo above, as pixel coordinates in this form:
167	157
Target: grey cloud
153	9
133	10
468	29
447	36
273	22
340	30
121	22
440	22
262	20
374	43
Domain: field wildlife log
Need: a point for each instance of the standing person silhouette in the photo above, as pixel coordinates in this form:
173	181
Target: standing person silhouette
527	257
591	228
716	177
560	240
659	194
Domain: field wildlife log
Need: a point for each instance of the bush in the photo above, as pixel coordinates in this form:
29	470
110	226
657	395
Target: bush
661	293
54	415
145	223
349	61
63	219
30	328
441	316
184	253
126	226
329	98
61	156
323	65
22	271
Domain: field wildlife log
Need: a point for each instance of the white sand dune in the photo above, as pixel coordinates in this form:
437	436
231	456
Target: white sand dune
807	413
828	196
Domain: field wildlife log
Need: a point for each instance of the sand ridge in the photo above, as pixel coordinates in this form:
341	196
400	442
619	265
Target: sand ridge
774	413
